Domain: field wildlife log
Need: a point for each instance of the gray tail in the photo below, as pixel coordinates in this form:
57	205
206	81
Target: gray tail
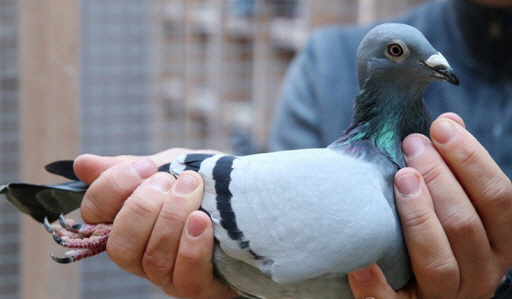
40	201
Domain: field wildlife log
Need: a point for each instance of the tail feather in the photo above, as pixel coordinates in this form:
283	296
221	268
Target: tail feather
40	201
63	168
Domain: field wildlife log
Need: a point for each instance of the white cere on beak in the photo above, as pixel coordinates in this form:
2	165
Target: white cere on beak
437	60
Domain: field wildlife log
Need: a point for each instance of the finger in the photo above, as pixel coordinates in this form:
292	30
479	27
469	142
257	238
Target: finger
107	193
89	167
133	224
370	282
193	275
432	259
488	187
453	208
455	117
160	256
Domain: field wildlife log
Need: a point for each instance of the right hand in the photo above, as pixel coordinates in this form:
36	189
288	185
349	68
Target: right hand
455	208
157	232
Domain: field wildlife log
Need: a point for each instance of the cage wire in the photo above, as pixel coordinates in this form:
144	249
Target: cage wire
167	73
9	144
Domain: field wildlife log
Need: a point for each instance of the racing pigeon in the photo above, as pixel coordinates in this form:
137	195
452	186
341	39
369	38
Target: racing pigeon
292	224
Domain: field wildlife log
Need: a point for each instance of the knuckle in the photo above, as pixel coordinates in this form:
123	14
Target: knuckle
158	267
189	259
119	252
432	173
499	192
141	207
112	180
188	288
469	156
441	271
462	225
416	218
174	216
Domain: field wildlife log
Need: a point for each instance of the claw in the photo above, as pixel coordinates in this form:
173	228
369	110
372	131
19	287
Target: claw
58	239
76	255
77	226
62	260
62	221
74	228
47	225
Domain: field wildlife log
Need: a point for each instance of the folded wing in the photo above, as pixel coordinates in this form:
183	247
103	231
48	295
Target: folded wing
298	214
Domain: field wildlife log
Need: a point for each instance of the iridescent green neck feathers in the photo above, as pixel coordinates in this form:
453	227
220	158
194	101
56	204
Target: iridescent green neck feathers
384	114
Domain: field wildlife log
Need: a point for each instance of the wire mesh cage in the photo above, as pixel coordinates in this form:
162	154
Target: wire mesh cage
161	74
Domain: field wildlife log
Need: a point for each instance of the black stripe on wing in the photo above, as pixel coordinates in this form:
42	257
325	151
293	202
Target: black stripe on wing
193	161
222	177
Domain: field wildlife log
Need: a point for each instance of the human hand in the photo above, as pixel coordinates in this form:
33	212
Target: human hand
455	205
157	232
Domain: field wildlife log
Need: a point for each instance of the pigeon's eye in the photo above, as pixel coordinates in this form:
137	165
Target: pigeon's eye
395	50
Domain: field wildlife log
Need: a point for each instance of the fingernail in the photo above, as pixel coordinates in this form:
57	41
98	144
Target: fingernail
185	184
363	275
413	145
443	131
144	168
161	182
407	184
195	226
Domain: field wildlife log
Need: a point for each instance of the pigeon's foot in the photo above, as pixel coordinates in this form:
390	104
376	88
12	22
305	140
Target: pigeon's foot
88	239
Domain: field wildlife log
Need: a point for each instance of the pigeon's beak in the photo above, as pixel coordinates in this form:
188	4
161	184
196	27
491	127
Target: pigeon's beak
446	73
441	68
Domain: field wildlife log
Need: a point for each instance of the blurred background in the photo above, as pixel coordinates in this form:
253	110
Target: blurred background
135	77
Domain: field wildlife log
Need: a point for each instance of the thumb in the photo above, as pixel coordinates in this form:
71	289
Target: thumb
193	270
370	282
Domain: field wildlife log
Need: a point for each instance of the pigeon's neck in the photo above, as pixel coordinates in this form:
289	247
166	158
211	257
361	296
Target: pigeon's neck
383	116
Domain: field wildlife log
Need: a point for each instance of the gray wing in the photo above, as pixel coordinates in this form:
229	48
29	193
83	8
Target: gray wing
299	214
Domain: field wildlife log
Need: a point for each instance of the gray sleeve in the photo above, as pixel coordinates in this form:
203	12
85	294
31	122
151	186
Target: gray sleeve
296	121
318	91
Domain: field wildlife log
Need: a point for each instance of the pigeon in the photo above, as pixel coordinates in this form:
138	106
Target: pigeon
293	224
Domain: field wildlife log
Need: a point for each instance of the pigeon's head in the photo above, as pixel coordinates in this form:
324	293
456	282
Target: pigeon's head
400	53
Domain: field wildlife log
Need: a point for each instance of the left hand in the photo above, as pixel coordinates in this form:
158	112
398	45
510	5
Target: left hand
157	232
455	206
